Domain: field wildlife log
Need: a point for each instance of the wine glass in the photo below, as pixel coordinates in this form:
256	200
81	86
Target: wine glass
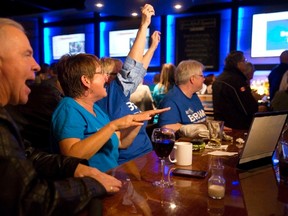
163	140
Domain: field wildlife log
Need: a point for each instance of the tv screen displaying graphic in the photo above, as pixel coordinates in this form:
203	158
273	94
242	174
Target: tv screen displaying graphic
68	44
269	34
121	41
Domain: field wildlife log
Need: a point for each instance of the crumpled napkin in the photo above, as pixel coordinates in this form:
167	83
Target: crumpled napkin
194	131
222	147
222	153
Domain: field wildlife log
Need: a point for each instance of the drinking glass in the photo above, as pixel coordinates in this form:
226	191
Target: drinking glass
163	141
215	131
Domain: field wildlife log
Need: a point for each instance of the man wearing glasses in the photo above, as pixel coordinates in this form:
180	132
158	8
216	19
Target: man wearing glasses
186	108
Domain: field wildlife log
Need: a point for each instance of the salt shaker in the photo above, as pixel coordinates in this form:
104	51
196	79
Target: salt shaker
216	183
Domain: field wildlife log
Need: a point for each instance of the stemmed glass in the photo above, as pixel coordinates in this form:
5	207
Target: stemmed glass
163	141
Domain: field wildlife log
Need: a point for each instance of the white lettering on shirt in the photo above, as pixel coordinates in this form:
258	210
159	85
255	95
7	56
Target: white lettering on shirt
196	115
131	106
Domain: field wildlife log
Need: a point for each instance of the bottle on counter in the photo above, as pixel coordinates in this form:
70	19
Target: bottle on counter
216	183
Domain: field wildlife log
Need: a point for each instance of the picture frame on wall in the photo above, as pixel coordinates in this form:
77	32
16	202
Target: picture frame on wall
197	37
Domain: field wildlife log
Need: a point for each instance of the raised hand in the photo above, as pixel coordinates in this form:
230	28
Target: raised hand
155	39
147	13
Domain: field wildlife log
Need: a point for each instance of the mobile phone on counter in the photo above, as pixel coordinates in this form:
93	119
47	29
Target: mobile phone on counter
190	173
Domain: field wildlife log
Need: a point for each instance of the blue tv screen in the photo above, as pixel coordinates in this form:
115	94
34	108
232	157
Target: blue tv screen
269	34
121	41
68	44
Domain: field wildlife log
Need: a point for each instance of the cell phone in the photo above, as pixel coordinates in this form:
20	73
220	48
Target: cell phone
190	173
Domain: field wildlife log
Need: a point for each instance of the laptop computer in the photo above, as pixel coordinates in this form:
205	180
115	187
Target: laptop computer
262	139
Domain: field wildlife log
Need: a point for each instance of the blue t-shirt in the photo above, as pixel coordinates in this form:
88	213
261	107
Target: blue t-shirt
183	110
117	105
158	94
71	120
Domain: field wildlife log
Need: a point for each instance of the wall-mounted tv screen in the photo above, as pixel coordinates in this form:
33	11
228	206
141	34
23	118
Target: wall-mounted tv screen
68	44
121	41
269	34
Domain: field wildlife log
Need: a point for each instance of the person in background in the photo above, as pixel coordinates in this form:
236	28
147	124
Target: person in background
34	118
117	103
53	81
111	67
167	81
156	80
34	182
142	98
43	74
277	73
249	72
280	101
79	126
209	79
187	114
233	101
284	82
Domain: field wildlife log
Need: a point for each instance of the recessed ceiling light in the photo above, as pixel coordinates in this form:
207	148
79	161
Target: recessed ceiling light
134	14
177	6
99	5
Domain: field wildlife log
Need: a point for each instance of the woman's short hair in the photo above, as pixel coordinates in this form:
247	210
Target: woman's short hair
186	69
71	68
111	65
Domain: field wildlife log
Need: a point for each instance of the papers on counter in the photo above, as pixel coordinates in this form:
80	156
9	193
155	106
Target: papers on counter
222	153
222	147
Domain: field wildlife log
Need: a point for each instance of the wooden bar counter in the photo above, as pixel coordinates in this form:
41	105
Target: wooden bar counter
189	196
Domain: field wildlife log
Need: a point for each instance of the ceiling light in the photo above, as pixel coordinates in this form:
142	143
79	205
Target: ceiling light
177	6
99	5
134	14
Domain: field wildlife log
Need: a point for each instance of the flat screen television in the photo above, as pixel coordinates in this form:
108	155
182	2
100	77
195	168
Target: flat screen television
68	44
269	34
121	41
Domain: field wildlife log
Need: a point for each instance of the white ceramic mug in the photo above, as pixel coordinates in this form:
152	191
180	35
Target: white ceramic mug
182	153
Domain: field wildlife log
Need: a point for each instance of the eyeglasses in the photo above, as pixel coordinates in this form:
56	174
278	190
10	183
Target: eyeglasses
112	74
201	75
98	72
244	60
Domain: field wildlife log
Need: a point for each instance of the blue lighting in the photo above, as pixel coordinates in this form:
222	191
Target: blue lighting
170	43
47	45
240	27
235	193
103	42
275	158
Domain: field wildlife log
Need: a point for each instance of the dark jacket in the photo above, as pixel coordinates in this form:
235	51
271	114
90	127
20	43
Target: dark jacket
275	78
233	101
38	183
34	118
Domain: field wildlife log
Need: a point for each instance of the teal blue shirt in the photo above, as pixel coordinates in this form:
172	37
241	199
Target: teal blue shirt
71	120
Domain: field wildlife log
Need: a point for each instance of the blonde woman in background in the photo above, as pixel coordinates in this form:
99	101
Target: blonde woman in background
167	81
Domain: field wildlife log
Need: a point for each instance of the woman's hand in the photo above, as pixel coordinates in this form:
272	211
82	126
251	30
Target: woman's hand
153	112
110	183
129	121
147	12
155	39
136	119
